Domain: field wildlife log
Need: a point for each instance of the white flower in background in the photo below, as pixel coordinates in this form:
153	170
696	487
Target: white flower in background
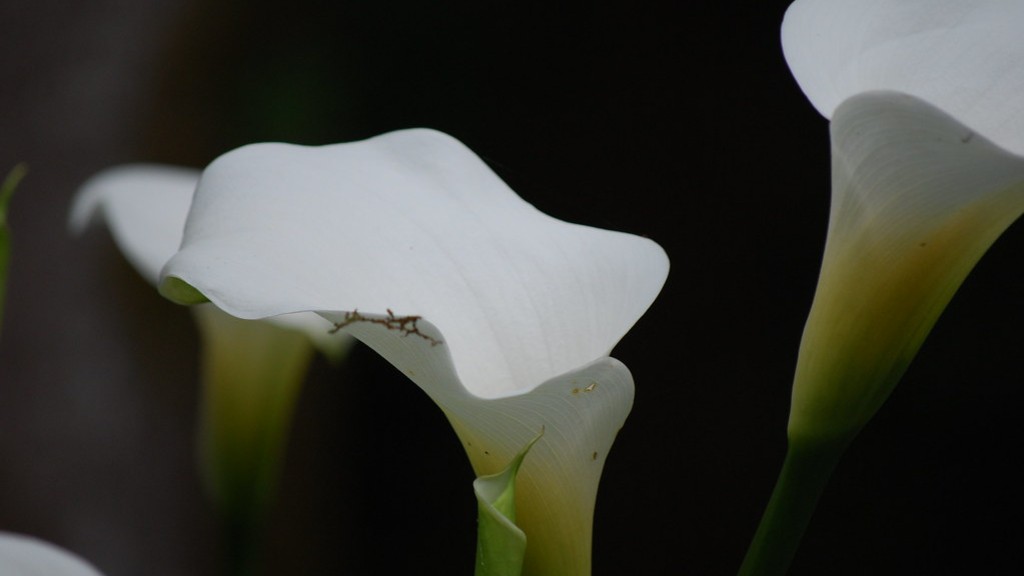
251	371
27	556
504	316
926	101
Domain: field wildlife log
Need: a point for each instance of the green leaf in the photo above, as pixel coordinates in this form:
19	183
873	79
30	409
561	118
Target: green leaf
500	545
6	191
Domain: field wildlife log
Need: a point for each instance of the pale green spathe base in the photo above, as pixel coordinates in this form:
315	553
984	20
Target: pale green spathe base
500	545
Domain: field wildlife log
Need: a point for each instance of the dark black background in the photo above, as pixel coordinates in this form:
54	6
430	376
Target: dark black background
674	121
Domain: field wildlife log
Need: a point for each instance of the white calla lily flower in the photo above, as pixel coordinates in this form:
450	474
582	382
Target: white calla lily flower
928	171
927	131
251	371
26	556
503	315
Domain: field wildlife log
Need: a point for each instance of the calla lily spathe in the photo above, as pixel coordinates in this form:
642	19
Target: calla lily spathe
927	133
251	371
503	315
26	556
927	124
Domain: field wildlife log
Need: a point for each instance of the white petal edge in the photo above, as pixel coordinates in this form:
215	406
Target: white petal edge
414	222
580	412
918	198
964	57
145	207
26	556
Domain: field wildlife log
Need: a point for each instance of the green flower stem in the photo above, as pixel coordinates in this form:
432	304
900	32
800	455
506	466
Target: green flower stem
6	191
805	473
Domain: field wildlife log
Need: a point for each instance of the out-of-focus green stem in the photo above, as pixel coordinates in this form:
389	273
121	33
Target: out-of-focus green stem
6	191
252	372
805	472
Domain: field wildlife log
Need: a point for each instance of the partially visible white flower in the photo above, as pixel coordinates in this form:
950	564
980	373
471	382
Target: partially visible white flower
925	99
252	371
927	130
26	556
501	314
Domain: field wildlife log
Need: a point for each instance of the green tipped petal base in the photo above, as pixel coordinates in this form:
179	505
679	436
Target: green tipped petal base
500	545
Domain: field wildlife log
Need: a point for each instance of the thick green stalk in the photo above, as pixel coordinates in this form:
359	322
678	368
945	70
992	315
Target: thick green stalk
805	472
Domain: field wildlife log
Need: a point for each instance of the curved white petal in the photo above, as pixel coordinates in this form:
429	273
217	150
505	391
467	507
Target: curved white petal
503	315
963	56
917	199
414	222
145	207
26	556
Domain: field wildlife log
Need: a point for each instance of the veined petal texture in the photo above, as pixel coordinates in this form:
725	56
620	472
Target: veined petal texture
917	199
580	413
